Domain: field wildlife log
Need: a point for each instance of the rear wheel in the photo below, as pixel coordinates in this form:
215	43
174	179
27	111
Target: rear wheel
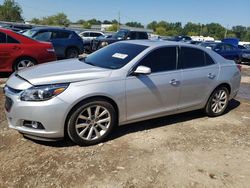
91	122
72	53
217	102
24	62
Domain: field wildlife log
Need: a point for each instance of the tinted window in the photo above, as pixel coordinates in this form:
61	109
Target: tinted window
11	40
95	34
114	56
60	35
190	57
132	35
162	59
2	38
208	59
43	36
86	34
142	35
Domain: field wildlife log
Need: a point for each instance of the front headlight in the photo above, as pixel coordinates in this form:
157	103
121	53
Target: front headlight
43	93
104	44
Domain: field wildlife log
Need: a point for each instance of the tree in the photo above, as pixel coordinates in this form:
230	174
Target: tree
113	28
216	30
59	19
107	22
11	11
161	31
239	31
134	24
191	27
152	25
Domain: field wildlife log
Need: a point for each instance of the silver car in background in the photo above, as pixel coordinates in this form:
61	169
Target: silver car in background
122	83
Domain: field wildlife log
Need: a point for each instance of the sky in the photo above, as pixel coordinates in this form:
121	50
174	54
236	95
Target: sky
226	12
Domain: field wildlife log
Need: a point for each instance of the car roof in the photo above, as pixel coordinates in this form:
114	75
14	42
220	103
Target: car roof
51	28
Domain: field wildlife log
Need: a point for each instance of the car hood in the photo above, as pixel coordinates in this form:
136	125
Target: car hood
64	71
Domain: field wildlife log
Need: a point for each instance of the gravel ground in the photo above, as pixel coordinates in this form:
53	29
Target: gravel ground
185	150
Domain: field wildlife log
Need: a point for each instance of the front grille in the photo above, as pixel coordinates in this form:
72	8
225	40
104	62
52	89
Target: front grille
8	104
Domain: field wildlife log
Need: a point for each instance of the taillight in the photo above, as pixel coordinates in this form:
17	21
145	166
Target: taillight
239	67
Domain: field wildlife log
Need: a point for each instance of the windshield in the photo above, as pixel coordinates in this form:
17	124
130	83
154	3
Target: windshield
114	56
29	33
120	34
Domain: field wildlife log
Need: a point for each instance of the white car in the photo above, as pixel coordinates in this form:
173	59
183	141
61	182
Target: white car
90	35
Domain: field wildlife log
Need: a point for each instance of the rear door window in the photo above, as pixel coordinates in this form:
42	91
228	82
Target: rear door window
2	38
60	35
11	40
191	58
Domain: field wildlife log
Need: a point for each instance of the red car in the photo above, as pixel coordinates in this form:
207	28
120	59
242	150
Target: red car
18	51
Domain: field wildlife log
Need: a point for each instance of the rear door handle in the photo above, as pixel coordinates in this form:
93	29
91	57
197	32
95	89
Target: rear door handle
15	47
211	75
174	82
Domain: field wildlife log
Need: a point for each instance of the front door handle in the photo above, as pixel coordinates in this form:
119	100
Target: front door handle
174	82
211	75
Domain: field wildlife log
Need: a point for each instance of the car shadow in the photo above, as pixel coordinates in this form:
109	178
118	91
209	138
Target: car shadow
143	125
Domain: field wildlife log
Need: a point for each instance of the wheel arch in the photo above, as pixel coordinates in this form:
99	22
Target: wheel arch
97	97
224	84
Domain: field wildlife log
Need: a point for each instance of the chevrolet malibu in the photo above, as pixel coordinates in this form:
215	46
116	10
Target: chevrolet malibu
125	82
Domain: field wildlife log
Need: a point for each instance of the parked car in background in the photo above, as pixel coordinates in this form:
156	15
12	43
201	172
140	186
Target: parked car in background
18	52
229	51
123	34
66	42
181	38
90	35
247	46
17	27
125	82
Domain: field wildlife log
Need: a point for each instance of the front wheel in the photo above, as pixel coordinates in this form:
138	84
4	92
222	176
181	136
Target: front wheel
91	122
217	102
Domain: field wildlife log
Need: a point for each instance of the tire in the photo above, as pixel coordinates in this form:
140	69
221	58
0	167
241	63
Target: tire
23	62
72	53
91	122
238	60
217	102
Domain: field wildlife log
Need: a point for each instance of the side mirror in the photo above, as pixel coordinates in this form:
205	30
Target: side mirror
142	70
216	49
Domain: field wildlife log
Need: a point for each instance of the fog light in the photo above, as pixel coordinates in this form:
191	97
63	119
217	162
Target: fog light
33	124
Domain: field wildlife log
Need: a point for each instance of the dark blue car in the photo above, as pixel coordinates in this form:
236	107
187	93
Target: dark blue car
67	43
229	51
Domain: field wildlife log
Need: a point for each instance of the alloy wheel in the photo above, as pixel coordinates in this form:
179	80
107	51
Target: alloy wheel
219	101
93	122
24	64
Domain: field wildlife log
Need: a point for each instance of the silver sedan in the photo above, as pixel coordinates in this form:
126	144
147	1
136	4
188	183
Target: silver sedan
122	83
